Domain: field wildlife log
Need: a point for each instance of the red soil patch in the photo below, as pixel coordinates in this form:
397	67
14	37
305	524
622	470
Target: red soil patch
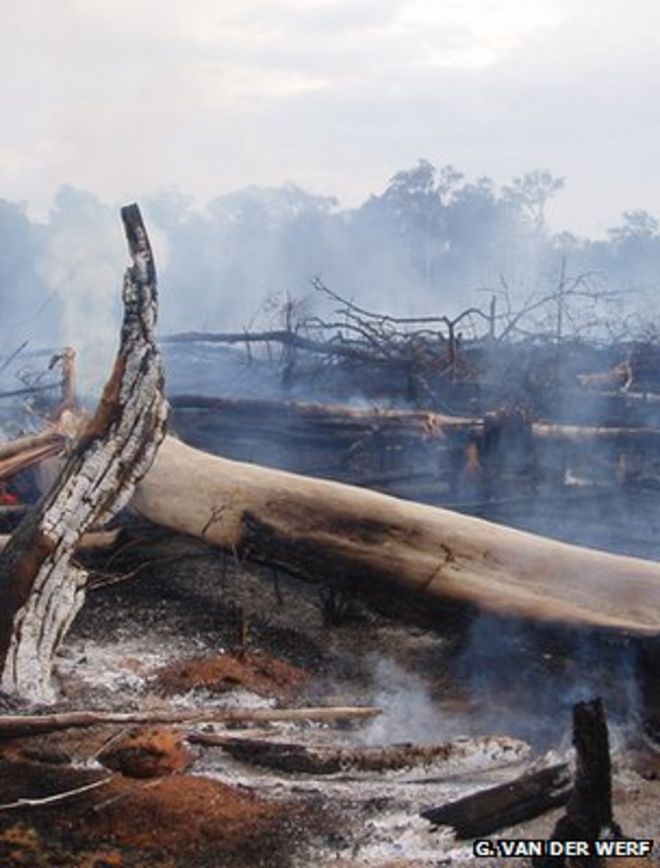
259	673
180	820
179	814
148	753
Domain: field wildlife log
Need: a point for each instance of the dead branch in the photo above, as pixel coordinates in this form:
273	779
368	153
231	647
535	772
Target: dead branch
15	725
56	798
278	336
31	390
67	362
29	457
350	308
13	355
10	448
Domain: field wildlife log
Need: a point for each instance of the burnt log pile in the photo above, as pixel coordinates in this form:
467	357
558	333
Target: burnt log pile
468	365
473	464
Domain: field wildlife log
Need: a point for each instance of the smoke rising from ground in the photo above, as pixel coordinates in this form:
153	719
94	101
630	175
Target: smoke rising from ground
431	241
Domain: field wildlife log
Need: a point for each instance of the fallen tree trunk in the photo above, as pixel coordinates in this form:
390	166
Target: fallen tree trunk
308	425
278	336
366	447
331	532
496	808
41	589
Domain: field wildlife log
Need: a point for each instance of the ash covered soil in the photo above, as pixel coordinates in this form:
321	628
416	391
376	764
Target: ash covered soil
193	629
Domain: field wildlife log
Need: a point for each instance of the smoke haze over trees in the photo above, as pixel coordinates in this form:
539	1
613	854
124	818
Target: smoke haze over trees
432	241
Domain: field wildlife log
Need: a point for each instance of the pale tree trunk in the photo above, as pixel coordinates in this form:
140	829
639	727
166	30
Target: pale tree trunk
41	588
363	540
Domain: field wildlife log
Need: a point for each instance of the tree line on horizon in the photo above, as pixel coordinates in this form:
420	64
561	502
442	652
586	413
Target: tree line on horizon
432	241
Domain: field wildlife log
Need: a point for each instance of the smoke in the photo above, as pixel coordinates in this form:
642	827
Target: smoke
81	262
526	679
409	712
520	680
431	242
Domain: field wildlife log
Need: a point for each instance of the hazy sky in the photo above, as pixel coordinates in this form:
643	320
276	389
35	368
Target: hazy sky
126	97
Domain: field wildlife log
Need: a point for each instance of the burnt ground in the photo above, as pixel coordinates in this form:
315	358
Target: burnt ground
193	629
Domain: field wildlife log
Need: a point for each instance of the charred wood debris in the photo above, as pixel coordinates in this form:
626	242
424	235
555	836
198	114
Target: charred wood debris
467	412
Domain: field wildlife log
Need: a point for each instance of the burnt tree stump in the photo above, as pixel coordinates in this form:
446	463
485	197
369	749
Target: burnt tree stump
589	815
41	586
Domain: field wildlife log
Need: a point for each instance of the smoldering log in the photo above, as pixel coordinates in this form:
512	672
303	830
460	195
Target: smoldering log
460	754
13	511
490	810
41	590
590	807
341	420
331	532
646	671
367	447
279	336
324	420
422	455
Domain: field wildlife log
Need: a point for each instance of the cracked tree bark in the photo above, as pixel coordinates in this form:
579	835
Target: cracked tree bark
41	587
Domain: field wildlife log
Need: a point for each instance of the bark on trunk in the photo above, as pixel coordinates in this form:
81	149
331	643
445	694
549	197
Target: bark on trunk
331	532
41	589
